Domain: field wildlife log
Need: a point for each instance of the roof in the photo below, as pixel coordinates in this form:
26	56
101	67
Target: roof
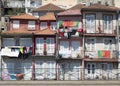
18	32
49	7
48	16
23	16
70	12
46	31
78	6
100	7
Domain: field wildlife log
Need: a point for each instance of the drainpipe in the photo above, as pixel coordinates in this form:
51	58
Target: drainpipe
117	43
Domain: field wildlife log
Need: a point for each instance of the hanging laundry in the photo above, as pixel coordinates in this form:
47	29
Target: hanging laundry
27	49
21	49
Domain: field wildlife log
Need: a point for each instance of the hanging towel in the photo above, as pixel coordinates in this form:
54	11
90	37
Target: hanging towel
12	76
27	49
21	50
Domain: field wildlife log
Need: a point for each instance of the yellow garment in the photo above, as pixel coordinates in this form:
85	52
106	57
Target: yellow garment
21	49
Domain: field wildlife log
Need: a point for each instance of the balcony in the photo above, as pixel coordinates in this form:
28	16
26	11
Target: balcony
101	55
14	3
65	33
70	54
100	33
39	52
16	51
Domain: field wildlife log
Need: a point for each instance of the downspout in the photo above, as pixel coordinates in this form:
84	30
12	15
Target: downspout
117	43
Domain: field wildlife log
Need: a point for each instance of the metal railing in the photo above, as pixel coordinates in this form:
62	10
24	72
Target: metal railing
59	74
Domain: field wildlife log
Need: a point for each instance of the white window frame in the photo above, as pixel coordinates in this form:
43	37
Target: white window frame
90	47
16	24
53	25
109	45
65	42
50	46
39	46
107	23
90	23
31	25
43	25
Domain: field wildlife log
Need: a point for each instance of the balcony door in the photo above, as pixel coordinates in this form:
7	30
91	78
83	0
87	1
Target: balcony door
50	46
39	46
75	47
45	70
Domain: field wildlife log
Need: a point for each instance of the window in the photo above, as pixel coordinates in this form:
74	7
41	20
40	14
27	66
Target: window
108	44
27	70
16	24
107	23
54	25
36	14
31	25
90	44
90	23
39	46
91	68
8	42
43	25
64	46
26	42
50	46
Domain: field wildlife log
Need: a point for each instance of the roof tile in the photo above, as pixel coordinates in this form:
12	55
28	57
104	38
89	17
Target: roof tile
23	16
48	16
100	7
46	31
49	7
70	12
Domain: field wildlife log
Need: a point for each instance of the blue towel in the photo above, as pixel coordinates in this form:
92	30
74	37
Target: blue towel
12	76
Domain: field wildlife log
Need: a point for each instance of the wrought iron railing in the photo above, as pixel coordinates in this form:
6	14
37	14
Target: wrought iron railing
59	74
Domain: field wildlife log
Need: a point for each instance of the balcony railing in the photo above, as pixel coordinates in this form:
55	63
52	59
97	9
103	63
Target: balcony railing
16	51
101	54
44	53
14	3
71	54
59	74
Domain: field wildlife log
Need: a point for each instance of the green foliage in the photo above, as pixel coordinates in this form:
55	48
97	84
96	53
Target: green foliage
15	11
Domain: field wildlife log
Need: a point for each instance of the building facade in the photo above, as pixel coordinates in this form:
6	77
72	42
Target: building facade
56	44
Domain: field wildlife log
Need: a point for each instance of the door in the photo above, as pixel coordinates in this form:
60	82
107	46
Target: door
75	45
27	70
39	46
75	73
39	70
90	71
8	71
45	70
50	46
107	70
69	71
